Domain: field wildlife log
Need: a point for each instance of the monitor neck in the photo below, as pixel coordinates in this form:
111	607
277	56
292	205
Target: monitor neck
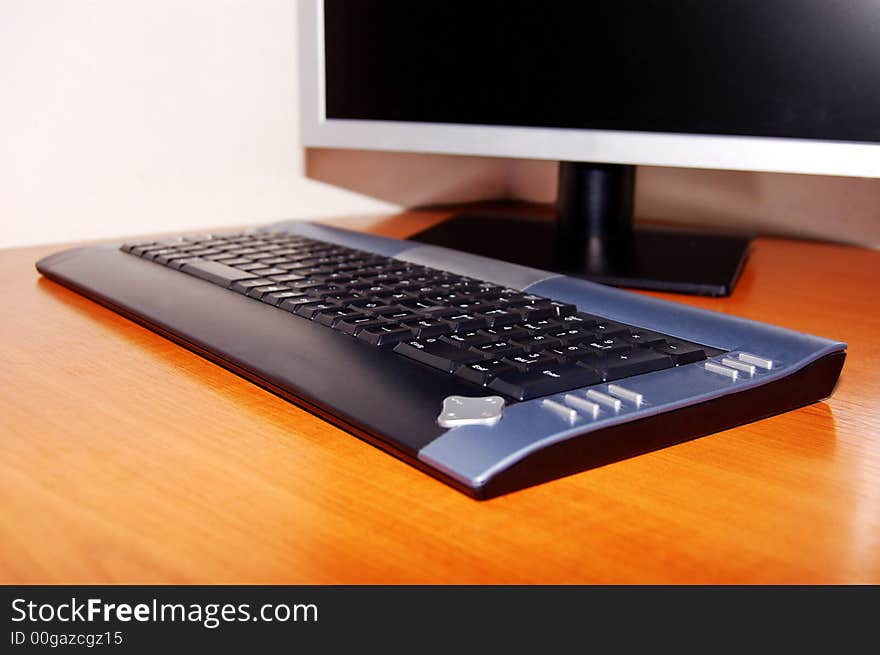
594	202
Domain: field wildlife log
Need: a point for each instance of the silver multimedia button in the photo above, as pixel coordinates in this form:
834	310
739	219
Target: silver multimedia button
583	405
623	393
718	369
604	399
757	360
461	410
738	365
567	414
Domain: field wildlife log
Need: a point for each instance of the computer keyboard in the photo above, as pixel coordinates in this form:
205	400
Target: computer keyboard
488	375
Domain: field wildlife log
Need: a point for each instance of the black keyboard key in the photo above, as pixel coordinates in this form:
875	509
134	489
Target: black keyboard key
466	339
610	328
290	304
172	245
276	298
397	314
339	298
137	247
445	297
214	272
437	354
370	306
484	372
535	311
484	295
541	326
310	309
647	338
171	258
383	335
323	290
176	264
391	296
145	250
574	352
426	327
572	335
342	279
204	252
259	292
466	322
498	349
635	362
330	316
387	279
253	266
602	344
473	306
221	257
274	260
512	300
243	286
506	332
366	284
397	296
544	380
307	284
500	316
681	352
299	267
287	277
537	342
532	360
579	320
563	308
353	325
418	305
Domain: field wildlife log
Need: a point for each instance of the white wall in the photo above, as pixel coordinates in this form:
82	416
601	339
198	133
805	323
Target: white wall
121	117
843	209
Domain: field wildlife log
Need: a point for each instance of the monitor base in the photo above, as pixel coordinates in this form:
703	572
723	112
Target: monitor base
658	259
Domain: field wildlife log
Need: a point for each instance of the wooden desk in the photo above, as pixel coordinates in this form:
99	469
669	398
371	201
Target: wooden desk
126	459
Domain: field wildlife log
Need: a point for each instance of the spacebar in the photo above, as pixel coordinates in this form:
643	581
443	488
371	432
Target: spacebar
213	271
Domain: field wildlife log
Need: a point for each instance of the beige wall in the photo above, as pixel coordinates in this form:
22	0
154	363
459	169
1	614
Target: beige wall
120	118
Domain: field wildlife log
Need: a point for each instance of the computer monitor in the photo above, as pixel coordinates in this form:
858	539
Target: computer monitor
786	86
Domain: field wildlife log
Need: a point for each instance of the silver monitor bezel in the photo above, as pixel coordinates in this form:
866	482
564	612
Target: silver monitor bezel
781	155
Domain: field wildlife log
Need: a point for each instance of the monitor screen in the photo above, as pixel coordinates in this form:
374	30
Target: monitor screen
788	85
787	68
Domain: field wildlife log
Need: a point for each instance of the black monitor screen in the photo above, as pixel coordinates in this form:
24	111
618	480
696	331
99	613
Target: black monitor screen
776	68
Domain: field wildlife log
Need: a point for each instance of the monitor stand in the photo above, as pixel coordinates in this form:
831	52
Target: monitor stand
593	237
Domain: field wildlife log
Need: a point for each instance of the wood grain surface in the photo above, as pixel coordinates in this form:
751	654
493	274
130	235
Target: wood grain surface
127	459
